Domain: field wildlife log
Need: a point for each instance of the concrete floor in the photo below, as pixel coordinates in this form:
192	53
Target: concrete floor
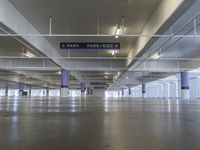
99	124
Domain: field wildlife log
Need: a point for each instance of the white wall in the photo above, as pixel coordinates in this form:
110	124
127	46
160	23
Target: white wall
195	87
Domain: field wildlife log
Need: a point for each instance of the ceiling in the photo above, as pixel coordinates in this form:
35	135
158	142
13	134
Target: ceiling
11	50
81	17
176	53
93	17
89	17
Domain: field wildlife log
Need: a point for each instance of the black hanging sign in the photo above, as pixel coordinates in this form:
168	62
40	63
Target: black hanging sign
90	46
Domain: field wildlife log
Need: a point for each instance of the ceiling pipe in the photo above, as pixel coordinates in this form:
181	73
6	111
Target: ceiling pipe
106	58
98	35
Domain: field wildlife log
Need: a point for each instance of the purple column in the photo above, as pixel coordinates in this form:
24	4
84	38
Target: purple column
21	86
129	91
185	85
144	88
64	91
6	91
64	79
184	80
47	91
82	87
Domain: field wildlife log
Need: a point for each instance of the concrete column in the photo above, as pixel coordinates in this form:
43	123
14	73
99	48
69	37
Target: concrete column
144	90
21	88
29	92
82	89
6	91
64	91
88	91
185	85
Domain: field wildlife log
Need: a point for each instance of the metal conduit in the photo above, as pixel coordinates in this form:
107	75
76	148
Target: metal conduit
104	58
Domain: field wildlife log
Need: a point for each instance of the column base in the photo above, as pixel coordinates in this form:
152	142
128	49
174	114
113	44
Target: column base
185	93
64	92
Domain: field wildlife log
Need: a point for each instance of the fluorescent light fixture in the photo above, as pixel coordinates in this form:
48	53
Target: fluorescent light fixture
118	31
106	73
113	53
28	54
156	56
106	77
59	72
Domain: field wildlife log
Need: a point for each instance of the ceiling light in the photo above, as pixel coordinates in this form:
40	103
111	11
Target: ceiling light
156	56
118	31
28	54
59	72
106	73
106	77
113	53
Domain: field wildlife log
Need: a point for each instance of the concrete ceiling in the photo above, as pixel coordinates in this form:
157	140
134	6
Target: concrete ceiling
12	53
177	54
81	17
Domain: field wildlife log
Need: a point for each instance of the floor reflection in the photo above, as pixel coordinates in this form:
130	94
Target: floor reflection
98	123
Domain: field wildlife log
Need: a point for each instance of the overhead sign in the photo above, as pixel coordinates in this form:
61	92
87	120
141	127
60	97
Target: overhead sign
93	46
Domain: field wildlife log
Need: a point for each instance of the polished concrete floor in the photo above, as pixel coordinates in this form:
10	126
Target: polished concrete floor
99	124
